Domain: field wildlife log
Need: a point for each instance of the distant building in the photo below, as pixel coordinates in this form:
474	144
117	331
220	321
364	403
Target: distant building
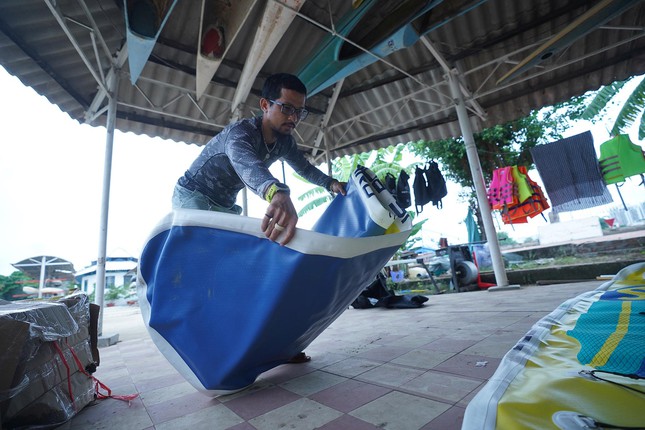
118	271
633	215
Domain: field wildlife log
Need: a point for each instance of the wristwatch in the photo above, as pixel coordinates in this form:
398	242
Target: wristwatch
274	188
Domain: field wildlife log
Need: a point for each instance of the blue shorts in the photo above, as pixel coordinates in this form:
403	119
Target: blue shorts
183	198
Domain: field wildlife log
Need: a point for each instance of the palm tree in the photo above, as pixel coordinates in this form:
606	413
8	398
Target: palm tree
341	169
633	107
385	160
380	162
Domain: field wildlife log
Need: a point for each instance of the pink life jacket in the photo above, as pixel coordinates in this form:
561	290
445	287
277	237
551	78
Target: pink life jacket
501	191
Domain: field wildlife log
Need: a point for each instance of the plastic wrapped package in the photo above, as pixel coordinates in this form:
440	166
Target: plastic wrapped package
46	358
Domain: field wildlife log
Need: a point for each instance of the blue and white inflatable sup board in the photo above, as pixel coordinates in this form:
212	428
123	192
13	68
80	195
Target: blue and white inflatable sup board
224	304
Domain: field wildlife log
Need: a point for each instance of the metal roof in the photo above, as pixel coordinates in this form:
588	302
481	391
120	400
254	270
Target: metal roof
112	264
47	267
65	50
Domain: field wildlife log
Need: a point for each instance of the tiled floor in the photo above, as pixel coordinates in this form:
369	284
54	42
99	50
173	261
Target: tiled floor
371	369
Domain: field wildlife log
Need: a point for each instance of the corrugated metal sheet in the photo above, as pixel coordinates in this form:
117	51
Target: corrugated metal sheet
403	99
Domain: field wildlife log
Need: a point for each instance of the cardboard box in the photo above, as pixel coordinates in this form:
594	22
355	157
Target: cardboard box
41	342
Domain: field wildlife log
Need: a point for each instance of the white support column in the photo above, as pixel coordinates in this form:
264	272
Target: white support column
327	151
41	285
113	87
478	179
245	202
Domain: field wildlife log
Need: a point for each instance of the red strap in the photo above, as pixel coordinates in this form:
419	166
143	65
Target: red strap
69	379
98	385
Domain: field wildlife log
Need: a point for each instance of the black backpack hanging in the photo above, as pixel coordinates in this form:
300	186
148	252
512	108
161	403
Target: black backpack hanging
421	190
403	197
390	184
436	184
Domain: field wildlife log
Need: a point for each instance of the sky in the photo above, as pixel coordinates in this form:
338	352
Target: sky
51	182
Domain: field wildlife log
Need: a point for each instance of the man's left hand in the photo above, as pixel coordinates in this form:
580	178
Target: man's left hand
338	187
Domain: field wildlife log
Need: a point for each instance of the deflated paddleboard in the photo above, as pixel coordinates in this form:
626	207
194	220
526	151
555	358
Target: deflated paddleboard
224	304
580	367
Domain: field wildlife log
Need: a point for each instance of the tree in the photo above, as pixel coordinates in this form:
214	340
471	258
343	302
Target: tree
498	146
632	108
504	238
381	162
12	285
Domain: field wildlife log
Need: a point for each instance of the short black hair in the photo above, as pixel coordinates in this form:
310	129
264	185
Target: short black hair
274	84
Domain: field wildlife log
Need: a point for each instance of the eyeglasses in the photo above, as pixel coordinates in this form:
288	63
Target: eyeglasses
289	110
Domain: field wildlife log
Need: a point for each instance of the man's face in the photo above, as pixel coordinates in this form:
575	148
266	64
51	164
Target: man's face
289	100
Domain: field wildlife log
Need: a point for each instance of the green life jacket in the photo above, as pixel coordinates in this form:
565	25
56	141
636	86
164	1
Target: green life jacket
620	159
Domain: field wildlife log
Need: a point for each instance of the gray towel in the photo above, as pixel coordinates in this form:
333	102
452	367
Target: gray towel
570	173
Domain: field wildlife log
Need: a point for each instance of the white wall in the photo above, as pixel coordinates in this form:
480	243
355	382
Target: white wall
88	282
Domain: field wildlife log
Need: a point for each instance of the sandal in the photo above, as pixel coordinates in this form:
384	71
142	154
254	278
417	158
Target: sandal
299	358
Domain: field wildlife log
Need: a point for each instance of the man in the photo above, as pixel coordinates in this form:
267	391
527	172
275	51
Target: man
240	155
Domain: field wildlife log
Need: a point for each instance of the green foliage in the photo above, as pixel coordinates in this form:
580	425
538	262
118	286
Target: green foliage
498	146
415	234
632	109
601	100
114	292
381	162
11	285
504	239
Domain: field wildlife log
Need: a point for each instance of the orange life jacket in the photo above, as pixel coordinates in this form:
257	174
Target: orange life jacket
531	207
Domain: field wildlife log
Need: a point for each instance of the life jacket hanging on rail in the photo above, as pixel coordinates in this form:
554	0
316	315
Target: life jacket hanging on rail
533	205
620	159
515	195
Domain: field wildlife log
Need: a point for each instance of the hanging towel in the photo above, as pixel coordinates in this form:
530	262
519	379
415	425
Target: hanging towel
570	173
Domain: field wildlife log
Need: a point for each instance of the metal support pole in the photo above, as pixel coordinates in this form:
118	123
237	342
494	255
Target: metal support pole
41	285
327	151
245	202
478	180
113	87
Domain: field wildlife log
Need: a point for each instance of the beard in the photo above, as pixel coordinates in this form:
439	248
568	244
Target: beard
285	129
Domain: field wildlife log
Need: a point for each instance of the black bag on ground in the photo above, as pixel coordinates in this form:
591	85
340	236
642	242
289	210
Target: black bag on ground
378	295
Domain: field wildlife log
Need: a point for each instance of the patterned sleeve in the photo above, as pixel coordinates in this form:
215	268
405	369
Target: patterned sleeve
241	150
305	169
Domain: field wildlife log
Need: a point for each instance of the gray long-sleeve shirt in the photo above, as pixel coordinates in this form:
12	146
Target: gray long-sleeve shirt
237	157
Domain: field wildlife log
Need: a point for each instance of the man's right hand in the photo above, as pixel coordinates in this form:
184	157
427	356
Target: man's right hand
280	218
